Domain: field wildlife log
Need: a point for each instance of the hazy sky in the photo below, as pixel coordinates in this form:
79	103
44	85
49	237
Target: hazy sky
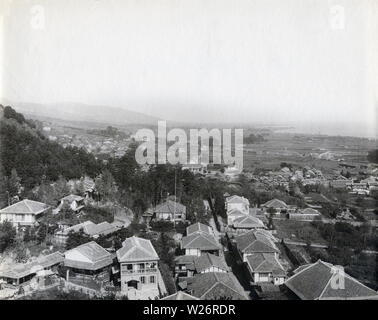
208	60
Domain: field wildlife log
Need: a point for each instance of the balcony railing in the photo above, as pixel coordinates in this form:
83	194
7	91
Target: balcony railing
140	271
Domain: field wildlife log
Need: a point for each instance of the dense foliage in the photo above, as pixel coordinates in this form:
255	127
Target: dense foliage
35	158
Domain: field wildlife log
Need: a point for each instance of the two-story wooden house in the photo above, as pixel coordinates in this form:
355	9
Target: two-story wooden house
139	268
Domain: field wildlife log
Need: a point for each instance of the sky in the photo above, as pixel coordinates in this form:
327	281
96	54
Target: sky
269	61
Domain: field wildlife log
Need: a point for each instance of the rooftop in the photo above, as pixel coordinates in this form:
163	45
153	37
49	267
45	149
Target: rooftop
215	285
180	295
274	203
200	241
314	282
26	207
137	249
255	241
265	262
89	256
198	227
208	260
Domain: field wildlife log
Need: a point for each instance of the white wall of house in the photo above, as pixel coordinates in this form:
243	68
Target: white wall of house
278	280
22	219
193	252
262	277
145	280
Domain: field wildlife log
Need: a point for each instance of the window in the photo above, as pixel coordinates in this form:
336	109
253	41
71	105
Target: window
143	279
152	279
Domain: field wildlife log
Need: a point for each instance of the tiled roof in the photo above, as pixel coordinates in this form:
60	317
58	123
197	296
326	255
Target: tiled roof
98	257
265	262
215	285
275	203
179	295
136	249
198	227
237	199
26	207
255	242
21	270
200	241
93	229
185	259
170	206
248	222
235	212
208	260
314	281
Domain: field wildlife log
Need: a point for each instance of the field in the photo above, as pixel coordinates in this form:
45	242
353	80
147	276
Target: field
298	231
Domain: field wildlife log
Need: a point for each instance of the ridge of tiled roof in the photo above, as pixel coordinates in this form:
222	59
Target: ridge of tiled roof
204	283
209	260
312	282
198	227
274	203
136	249
200	241
26	206
180	295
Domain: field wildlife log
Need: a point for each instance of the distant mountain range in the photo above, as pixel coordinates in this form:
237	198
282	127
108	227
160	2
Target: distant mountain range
83	112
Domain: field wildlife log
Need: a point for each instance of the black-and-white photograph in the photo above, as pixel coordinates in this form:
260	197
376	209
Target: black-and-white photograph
194	150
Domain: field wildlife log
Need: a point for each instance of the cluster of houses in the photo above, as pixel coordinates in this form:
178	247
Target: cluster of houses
200	271
252	243
92	269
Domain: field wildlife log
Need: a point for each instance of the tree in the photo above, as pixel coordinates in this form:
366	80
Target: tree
7	235
105	185
21	252
14	184
76	239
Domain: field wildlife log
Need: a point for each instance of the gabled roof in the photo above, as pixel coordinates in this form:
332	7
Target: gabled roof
185	259
93	229
200	241
208	260
88	256
235	212
198	227
314	282
26	207
179	295
137	249
255	242
265	262
170	206
248	222
215	285
237	199
274	203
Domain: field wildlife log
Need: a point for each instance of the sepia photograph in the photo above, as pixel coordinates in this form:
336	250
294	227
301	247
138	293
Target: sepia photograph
211	151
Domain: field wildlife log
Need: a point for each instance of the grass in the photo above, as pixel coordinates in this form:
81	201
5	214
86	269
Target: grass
298	230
